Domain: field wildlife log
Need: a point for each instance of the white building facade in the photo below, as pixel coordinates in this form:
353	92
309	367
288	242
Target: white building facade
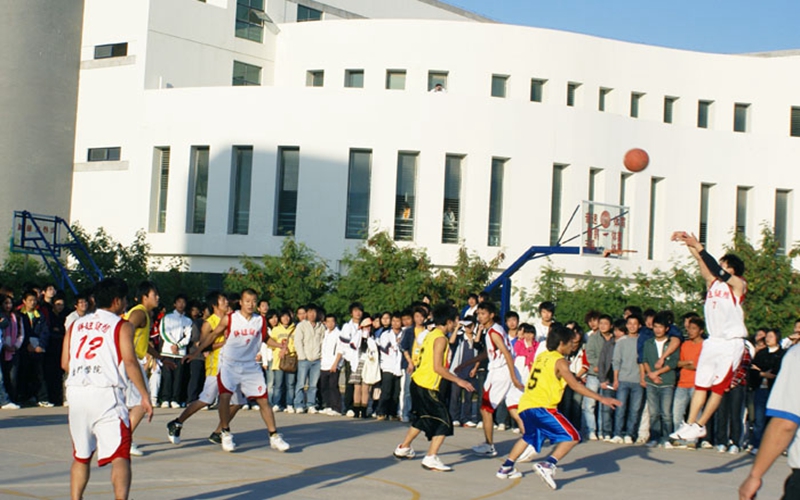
221	127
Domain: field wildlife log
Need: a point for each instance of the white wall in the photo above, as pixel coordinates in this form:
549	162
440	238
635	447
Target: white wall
326	122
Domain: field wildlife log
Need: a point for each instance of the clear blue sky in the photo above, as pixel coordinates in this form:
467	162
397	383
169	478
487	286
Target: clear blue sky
723	26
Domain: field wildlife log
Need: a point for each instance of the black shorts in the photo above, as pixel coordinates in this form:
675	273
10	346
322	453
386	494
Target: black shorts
430	414
791	489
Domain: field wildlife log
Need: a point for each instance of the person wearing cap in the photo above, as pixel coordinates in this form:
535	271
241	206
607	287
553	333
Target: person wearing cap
463	347
782	432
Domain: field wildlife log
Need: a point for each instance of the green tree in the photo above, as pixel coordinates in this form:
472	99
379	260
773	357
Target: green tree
470	274
129	263
19	270
382	276
295	277
177	279
773	298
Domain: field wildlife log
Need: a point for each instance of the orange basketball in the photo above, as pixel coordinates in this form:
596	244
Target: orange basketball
636	160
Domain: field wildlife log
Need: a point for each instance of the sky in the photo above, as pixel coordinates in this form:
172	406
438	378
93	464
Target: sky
720	26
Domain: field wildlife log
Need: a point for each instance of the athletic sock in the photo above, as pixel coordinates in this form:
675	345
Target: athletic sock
552	460
226	429
272	433
508	463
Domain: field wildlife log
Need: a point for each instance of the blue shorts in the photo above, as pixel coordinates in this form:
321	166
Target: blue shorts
542	423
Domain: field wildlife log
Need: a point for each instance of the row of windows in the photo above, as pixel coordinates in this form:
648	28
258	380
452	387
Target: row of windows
250	18
743	196
358	193
437	80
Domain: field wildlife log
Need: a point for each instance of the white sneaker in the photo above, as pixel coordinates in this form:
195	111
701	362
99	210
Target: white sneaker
508	473
456	423
651	444
501	427
245	407
706	445
527	455
165	404
276	409
627	440
227	441
485	450
255	408
547	472
46	404
616	440
470	424
432	462
607	439
175	405
404	453
480	425
641	440
13	406
333	413
689	432
721	448
592	436
312	410
733	450
350	413
276	442
288	409
516	430
135	451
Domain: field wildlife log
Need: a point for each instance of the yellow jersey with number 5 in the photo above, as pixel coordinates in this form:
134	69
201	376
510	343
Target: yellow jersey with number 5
544	389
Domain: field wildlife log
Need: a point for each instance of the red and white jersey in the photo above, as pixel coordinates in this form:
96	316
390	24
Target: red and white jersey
94	355
243	339
496	358
724	313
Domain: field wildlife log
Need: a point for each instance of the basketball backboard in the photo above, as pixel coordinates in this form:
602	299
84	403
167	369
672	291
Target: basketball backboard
604	229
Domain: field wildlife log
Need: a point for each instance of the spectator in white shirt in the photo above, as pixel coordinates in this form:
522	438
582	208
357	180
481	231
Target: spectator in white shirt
176	332
330	363
391	368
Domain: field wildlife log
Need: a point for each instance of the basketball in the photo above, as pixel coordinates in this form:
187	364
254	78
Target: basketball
636	160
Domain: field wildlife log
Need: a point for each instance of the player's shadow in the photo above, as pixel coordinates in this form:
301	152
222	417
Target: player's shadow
29	421
743	460
607	462
332	475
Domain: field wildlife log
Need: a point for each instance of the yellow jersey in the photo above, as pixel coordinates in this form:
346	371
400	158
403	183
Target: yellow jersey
212	360
279	334
425	376
141	337
415	351
544	388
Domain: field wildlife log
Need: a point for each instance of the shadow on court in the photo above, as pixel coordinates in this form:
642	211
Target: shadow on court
743	460
24	421
605	463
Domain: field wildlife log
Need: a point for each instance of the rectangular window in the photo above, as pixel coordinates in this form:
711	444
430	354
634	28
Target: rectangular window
104	154
198	190
404	203
246	74
669	106
572	90
636	98
308	14
651	226
537	90
703	113
249	20
705	193
241	176
496	201
358	190
158	222
782	220
499	85
555	203
601	98
623	186
286	197
396	79
740	117
437	78
742	195
794	122
354	78
451	218
315	78
111	50
595	175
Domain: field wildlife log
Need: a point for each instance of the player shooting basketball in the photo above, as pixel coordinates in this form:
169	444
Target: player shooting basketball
722	352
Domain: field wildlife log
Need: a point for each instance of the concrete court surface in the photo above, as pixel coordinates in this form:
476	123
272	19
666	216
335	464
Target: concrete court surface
341	458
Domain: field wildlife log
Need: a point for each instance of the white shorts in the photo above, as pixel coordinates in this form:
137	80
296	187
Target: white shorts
98	420
132	396
247	378
498	388
719	358
211	392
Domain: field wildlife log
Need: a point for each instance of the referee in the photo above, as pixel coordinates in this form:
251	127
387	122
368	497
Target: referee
782	432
